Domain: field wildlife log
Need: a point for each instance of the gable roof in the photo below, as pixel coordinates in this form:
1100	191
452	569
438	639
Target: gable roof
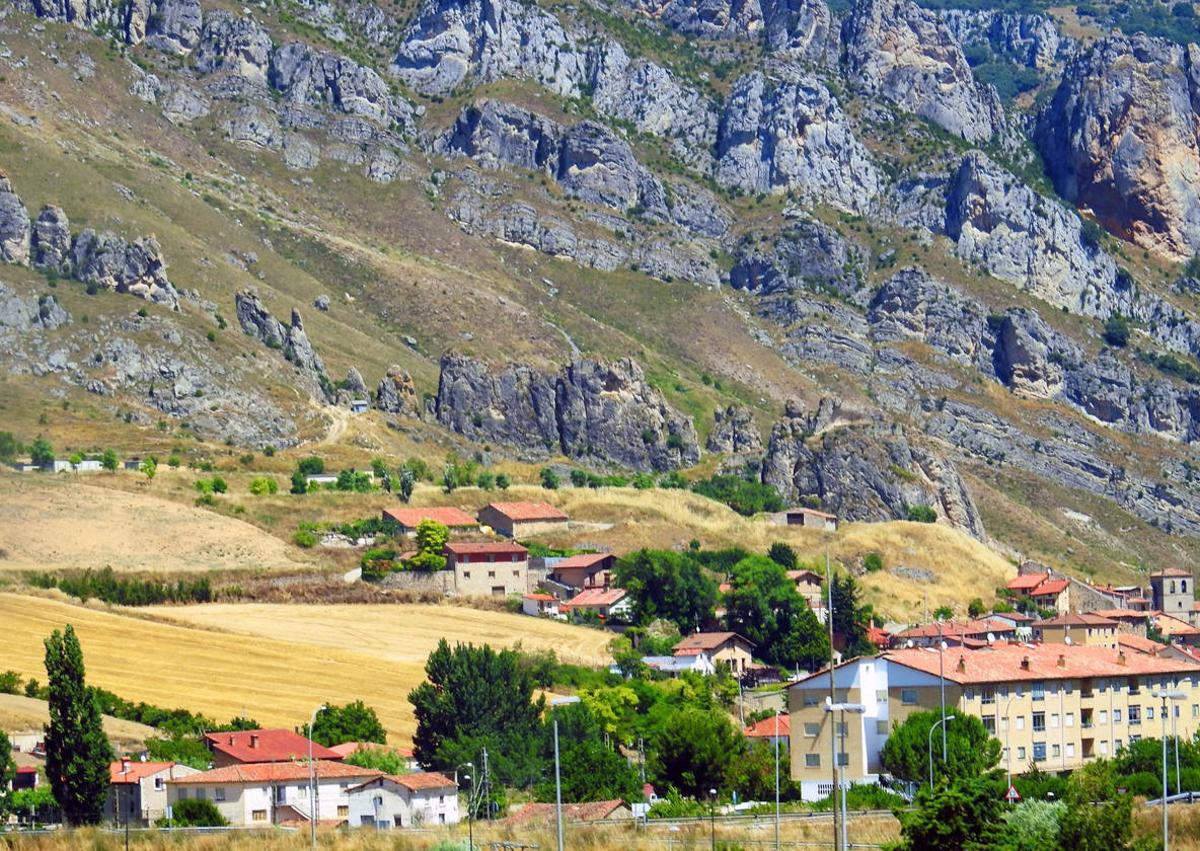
595	597
590	811
526	511
274	772
1086	619
135	771
697	641
583	560
248	746
423	780
1171	571
1122	614
346	748
1027	582
1050	586
446	515
765	729
1003	663
1172	626
797	575
1139	643
811	512
459	548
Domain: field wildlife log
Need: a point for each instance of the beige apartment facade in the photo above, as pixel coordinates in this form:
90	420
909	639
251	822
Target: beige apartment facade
1051	705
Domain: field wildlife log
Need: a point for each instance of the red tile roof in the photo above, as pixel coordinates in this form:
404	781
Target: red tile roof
706	641
595	597
541	598
496	547
447	516
1171	571
273	772
423	780
265	746
526	511
1090	619
812	512
581	560
347	748
1002	662
1050	586
878	636
1121	614
1140	644
1027	582
1171	626
765	729
591	811
955	629
136	772
797	575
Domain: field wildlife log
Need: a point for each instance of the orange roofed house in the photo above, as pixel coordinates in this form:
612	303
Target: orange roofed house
492	568
1046	591
521	519
1055	706
586	570
245	747
137	791
727	647
406	800
407	519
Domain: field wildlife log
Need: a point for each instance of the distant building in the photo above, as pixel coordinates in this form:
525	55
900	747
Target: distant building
809	518
727	648
587	570
258	746
973	633
1089	630
700	663
137	791
531	814
346	748
1173	592
606	602
419	799
27	777
496	568
808	586
359	406
407	519
771	729
522	519
540	605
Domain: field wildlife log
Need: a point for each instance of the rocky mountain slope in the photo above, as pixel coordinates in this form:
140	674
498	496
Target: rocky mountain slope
760	236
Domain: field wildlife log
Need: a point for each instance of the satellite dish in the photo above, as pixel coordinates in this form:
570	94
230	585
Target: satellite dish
1067	640
908	643
991	638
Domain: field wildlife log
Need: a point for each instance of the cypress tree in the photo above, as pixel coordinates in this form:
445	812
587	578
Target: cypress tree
77	751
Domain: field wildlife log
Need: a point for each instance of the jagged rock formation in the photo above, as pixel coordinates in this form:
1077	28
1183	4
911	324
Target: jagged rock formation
238	45
905	53
291	339
913	306
589	410
1029	240
173	26
1119	138
793	136
1030	40
51	240
804	255
307	76
14	225
21	313
869	471
397	394
125	267
734	432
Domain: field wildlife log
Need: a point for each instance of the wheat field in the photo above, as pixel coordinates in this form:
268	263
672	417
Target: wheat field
273	663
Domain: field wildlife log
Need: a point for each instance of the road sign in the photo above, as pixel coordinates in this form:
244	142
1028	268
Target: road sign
1012	795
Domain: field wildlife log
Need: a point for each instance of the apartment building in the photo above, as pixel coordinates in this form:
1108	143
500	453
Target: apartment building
1055	706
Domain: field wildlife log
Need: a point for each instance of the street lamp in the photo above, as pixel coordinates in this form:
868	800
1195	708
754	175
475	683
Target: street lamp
1165	695
1007	738
558	701
854	709
312	779
712	816
778	712
939	723
470	804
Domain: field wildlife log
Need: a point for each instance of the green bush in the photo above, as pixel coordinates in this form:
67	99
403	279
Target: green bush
263	486
744	496
922	514
305	538
1116	331
313	465
873	562
191	812
549	479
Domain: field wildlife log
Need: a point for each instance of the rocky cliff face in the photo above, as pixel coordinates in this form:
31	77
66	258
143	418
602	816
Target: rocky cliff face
593	411
905	53
734	432
1119	137
1033	41
14	225
291	340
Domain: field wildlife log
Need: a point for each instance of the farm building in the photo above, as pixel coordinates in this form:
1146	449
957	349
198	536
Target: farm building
809	518
497	568
255	746
726	648
407	519
540	605
605	602
588	570
521	519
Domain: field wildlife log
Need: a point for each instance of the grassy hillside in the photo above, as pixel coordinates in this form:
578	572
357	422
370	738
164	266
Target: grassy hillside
19	713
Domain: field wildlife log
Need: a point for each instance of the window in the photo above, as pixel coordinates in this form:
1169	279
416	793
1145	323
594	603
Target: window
1135	716
280	794
1196	710
1039	722
989	724
908	696
441	818
1149	714
843	759
466	574
812	730
1020	754
811	698
1103	715
491	574
219	793
1054	720
200	793
516	573
881	696
1003	724
343	810
843	729
812	760
1133	686
1020	722
988	694
1070	750
1039	690
1116	716
159	783
258	815
1104	747
1055	751
881	728
1116	745
1039	751
183	794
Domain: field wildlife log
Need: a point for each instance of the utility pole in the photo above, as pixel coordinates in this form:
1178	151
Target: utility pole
832	700
942	681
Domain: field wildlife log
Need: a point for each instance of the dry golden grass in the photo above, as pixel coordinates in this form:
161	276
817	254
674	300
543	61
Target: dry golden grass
358	655
50	522
19	713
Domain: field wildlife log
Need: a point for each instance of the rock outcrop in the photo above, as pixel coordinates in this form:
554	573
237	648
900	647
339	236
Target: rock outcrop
589	410
239	45
51	241
1119	138
397	394
42	312
14	225
1032	41
311	77
734	432
291	339
792	136
896	49
114	263
804	255
174	25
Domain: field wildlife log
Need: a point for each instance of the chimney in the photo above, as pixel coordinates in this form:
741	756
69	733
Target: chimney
1062	660
1024	663
253	740
962	664
124	765
1120	657
231	741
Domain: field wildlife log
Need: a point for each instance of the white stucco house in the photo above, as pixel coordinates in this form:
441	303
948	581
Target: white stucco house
404	800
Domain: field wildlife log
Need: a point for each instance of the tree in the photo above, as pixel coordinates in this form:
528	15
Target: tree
669	585
975	608
8	446
971	750
263	486
849	619
8	771
313	465
1097	818
476	697
591	770
431	541
784	555
693	753
1116	331
407	480
299	483
41	453
549	478
764	606
943	613
745	496
192	812
503	481
964	816
75	460
449	479
109	460
77	752
354	722
1033	826
149	467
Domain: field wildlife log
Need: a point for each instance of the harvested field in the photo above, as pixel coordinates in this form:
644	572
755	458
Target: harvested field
19	713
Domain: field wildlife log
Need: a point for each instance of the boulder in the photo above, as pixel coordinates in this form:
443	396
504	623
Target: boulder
397	394
51	241
116	264
14	225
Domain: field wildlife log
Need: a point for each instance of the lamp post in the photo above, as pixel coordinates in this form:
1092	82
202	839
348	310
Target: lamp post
843	839
1165	696
1008	737
942	685
470	804
712	816
312	780
558	701
942	723
777	713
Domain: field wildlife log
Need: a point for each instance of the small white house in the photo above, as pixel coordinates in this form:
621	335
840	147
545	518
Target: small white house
540	605
404	800
701	663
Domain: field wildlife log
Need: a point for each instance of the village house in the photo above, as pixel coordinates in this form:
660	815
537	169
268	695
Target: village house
1090	630
973	633
724	648
1056	706
523	519
587	570
495	568
346	748
407	519
809	518
699	663
261	794
254	746
608	603
419	799
540	605
808	586
137	791
1128	621
26	777
771	729
1175	630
